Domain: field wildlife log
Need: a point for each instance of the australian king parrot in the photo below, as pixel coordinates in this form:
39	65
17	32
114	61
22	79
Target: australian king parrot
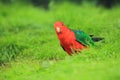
73	41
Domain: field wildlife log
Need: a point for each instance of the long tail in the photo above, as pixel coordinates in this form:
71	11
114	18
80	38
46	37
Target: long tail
96	39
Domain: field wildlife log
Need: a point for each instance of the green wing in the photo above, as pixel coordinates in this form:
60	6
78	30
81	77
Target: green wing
83	38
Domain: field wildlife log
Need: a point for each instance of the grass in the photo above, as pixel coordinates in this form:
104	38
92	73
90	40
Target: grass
30	50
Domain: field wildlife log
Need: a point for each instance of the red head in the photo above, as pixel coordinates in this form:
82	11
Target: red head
60	27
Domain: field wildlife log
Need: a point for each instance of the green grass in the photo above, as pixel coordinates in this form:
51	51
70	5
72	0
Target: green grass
30	50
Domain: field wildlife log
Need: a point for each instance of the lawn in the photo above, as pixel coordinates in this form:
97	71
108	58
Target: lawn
30	50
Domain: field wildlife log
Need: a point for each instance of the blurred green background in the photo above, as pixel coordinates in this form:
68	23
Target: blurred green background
30	50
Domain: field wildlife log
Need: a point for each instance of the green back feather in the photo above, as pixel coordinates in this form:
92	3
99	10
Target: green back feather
83	38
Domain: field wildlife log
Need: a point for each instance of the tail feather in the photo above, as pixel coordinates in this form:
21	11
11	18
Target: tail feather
91	35
96	39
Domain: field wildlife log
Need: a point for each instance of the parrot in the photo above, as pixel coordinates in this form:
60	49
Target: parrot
73	41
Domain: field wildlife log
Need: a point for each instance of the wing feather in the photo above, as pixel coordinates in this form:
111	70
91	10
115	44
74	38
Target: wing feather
83	38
